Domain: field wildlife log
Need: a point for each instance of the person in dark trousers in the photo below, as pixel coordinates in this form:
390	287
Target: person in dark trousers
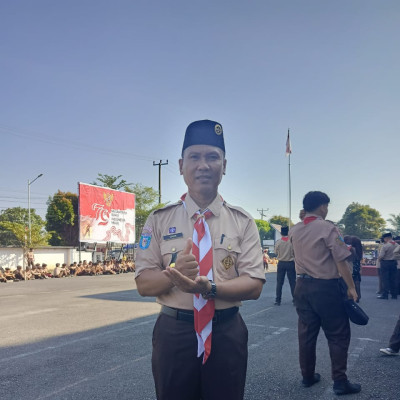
394	342
388	267
320	258
201	258
357	251
285	256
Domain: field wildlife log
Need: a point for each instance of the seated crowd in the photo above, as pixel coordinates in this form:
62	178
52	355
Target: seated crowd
111	267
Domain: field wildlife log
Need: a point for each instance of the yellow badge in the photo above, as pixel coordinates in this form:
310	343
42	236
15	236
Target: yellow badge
108	198
227	262
218	129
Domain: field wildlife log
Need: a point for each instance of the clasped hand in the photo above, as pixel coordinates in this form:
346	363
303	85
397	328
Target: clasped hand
184	275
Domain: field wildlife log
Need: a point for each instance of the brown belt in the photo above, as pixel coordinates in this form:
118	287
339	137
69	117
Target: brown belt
188	315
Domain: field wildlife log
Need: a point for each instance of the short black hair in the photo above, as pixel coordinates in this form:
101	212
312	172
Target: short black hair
312	200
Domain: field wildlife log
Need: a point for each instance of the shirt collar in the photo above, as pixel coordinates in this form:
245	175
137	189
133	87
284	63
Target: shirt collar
215	206
310	214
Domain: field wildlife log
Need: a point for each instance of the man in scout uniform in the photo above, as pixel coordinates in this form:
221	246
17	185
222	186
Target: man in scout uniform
266	259
320	257
285	255
200	257
19	273
30	257
388	267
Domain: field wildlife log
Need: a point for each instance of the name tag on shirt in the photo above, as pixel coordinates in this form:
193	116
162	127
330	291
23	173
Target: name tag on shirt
173	236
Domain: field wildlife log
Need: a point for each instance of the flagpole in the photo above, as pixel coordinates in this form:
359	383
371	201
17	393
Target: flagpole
290	183
290	196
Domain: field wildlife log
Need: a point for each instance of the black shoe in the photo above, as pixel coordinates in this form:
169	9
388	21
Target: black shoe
277	303
345	387
383	296
307	382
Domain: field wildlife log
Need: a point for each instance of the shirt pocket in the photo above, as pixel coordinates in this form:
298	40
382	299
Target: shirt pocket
169	248
226	257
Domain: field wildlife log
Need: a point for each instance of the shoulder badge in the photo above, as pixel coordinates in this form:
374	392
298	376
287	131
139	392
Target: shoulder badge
144	242
340	240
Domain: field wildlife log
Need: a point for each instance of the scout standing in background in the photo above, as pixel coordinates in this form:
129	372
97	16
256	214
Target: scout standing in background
320	257
201	258
388	267
285	256
30	256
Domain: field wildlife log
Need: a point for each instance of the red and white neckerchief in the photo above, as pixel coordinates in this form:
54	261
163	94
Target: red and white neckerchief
285	238
307	220
203	309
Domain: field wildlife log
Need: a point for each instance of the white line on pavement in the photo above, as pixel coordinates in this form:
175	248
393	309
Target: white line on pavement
27	313
268	337
71	385
88	337
261	311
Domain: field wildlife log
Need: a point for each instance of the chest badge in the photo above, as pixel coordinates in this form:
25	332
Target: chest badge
227	262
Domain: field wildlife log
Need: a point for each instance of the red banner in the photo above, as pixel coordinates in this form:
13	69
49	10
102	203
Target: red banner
106	215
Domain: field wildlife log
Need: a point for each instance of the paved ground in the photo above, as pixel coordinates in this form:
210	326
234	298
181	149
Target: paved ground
90	338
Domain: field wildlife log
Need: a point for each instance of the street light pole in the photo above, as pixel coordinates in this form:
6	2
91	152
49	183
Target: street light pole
29	207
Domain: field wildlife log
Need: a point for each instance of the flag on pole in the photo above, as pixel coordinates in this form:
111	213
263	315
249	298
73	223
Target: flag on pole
288	145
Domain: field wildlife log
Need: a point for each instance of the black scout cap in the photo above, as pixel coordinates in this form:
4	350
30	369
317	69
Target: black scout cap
284	230
204	132
385	235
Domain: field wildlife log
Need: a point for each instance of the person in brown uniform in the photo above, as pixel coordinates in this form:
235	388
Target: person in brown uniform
285	256
30	257
388	267
320	257
168	265
8	274
2	277
19	273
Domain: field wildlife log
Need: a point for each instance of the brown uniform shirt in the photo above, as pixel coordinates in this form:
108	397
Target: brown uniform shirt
284	250
386	251
236	245
317	247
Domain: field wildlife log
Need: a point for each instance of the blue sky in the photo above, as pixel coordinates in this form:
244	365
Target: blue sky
108	87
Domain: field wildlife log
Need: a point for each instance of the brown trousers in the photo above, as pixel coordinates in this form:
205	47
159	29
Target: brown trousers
319	303
180	375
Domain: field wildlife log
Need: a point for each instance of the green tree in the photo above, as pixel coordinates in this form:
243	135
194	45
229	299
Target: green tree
280	220
146	201
112	182
263	229
362	221
394	220
14	229
62	219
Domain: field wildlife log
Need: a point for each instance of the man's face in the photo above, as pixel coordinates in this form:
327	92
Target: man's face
202	167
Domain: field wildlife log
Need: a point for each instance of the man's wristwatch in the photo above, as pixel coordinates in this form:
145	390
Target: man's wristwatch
212	293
